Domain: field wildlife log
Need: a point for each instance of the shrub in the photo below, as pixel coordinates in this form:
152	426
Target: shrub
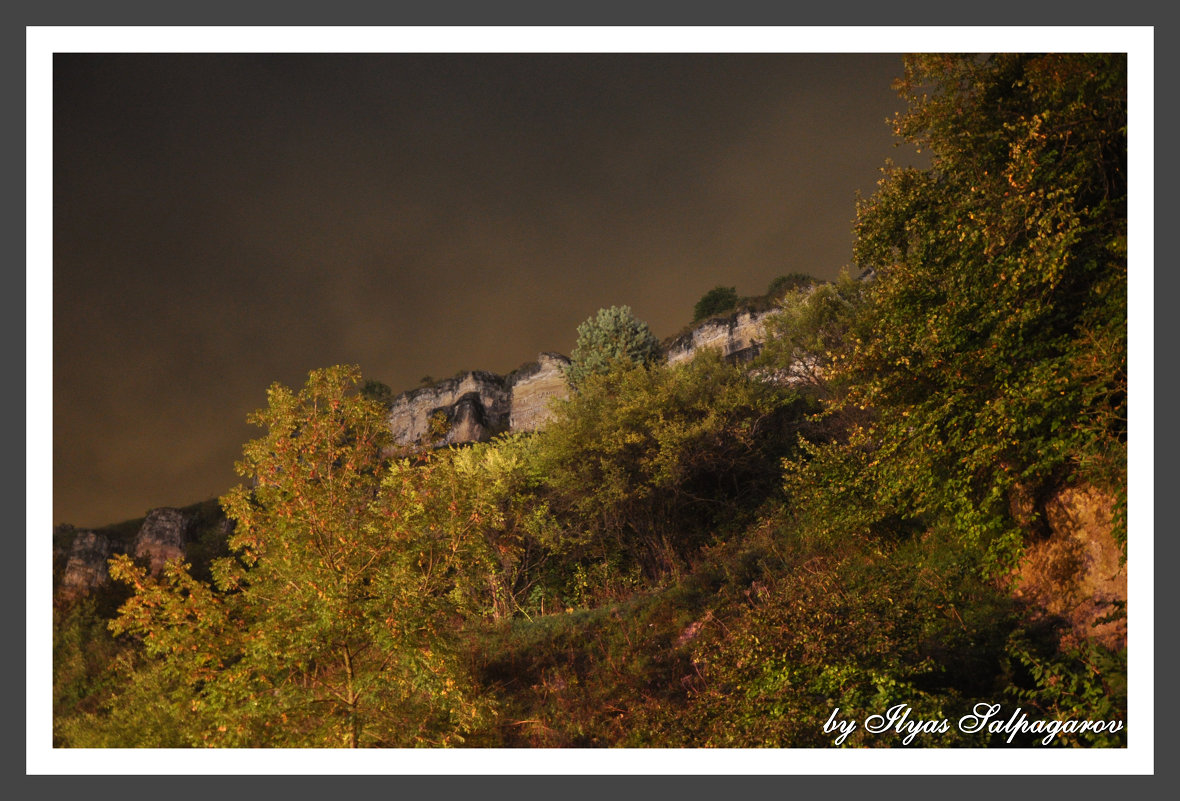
718	300
786	283
648	462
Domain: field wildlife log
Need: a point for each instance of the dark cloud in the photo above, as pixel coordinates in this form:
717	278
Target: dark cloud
225	221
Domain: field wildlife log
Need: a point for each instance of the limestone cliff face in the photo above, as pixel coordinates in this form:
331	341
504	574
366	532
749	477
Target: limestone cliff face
739	337
476	406
483	413
86	568
161	538
533	387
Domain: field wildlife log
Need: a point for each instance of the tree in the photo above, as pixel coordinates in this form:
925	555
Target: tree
786	283
996	359
327	626
378	391
648	462
611	337
811	326
718	300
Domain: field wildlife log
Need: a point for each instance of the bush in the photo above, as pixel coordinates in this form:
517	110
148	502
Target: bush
786	283
718	300
377	391
649	462
811	326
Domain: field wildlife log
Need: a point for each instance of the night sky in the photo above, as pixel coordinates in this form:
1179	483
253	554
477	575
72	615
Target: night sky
222	222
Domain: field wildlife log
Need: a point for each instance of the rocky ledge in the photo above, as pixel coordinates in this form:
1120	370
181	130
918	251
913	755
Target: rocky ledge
164	534
477	405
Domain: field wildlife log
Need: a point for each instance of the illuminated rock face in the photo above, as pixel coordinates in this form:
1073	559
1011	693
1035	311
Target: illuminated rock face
533	387
476	406
738	337
483	413
161	538
86	569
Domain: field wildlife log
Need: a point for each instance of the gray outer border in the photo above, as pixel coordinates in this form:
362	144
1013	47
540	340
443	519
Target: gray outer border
539	12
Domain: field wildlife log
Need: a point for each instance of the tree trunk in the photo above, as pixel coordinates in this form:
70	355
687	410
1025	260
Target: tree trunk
353	719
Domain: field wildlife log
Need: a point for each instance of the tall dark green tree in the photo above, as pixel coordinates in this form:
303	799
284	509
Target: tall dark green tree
612	337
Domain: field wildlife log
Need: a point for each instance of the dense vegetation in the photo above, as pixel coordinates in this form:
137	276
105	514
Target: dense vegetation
717	300
705	554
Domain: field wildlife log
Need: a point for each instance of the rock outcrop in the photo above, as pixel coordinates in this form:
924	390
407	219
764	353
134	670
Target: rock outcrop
476	406
484	413
533	387
86	568
161	538
1075	572
739	337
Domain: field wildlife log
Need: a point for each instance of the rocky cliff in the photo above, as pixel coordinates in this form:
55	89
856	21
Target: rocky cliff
86	564
739	337
476	406
472	407
194	533
161	538
533	386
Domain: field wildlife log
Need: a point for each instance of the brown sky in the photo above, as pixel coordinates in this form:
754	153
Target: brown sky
225	221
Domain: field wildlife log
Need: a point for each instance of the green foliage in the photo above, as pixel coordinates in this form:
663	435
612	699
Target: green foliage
811	327
437	426
609	338
1086	681
503	479
783	284
717	300
648	462
379	392
861	626
325	627
997	351
83	651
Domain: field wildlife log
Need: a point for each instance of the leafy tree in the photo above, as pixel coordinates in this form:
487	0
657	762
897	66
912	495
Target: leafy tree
996	360
326	627
718	300
810	328
786	283
83	651
377	391
648	462
499	483
611	337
